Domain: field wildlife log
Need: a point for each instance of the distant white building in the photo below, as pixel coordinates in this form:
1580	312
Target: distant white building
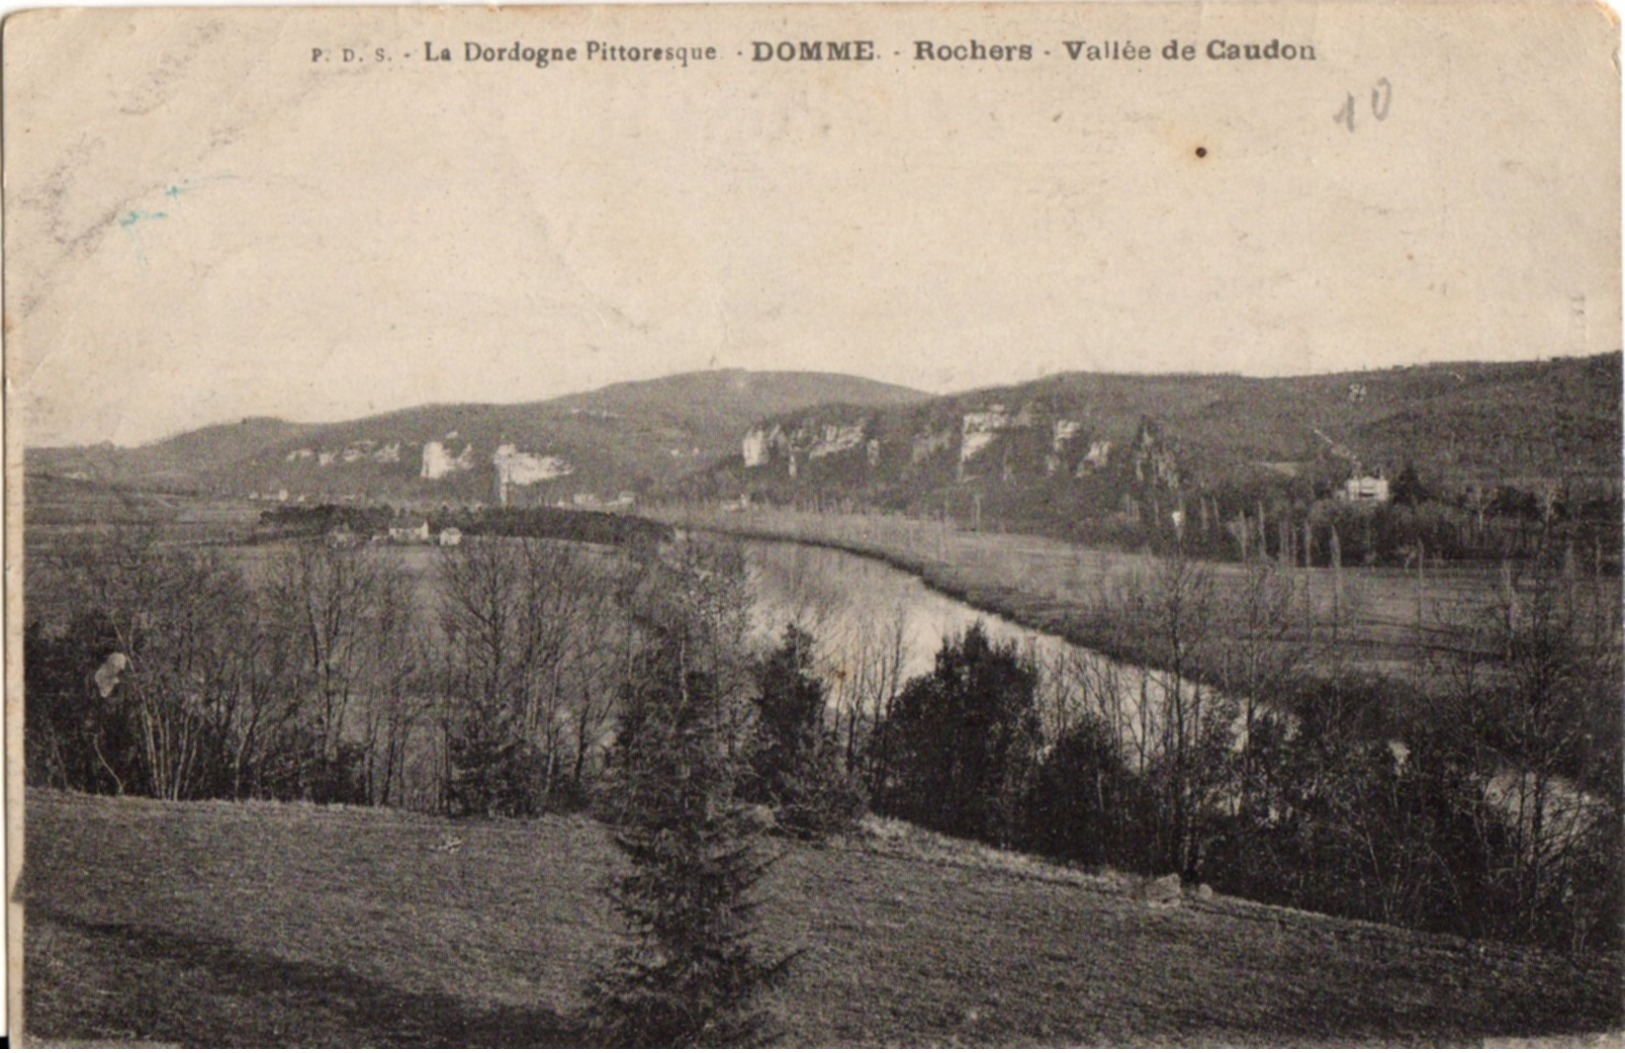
410	531
451	537
1366	490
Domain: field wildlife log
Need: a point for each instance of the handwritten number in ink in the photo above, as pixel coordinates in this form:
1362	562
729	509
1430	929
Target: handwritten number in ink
1345	116
1382	99
1382	96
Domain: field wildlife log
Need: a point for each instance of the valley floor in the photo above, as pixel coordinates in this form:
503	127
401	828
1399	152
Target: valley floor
1376	619
265	924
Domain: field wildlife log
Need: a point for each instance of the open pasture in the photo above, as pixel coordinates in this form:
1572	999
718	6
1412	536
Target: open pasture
265	924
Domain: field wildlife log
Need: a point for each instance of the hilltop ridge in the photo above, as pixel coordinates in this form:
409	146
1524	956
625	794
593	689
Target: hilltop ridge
1037	457
631	436
1040	455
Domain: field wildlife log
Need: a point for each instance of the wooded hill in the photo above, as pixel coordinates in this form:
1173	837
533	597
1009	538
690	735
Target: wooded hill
626	437
1046	454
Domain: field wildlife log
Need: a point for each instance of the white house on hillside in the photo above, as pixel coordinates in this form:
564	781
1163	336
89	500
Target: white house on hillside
1366	490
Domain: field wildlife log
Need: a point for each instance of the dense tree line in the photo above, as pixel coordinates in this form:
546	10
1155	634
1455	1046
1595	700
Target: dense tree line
559	524
493	684
1495	812
327	673
314	520
562	524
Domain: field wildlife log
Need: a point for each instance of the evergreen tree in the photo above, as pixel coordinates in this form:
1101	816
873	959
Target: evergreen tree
493	771
1407	488
689	975
964	740
797	768
1084	799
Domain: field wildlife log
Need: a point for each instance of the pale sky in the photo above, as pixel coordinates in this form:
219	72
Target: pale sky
202	224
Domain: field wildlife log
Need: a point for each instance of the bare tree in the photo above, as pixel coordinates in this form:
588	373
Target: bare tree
863	660
529	630
397	709
1263	656
179	617
706	584
602	650
1183	727
349	618
1536	690
486	712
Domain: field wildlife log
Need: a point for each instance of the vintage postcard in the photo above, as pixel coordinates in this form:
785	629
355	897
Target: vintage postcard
1056	524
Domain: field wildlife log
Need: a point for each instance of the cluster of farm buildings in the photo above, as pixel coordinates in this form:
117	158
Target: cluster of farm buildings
402	530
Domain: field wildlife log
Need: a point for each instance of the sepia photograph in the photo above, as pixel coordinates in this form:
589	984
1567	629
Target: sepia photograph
816	525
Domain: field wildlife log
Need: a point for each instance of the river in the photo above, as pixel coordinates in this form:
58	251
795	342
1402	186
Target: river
875	627
840	597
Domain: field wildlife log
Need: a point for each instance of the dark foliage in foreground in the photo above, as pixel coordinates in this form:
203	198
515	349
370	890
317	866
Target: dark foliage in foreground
796	765
1493	811
962	742
690	975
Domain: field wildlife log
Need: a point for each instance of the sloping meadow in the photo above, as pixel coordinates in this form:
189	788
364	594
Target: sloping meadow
265	924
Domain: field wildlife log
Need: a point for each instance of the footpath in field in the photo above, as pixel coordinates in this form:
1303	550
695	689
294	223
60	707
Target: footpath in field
265	924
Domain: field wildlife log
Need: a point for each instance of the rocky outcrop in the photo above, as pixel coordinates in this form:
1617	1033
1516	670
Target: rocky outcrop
808	440
978	429
359	451
515	467
931	442
1164	891
1063	434
835	438
1057	441
368	450
759	443
1011	442
438	461
1097	459
1154	463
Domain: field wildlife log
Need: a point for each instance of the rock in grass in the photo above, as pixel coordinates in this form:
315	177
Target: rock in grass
1159	892
762	817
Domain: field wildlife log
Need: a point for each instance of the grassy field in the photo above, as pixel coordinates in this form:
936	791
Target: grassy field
261	924
1384	619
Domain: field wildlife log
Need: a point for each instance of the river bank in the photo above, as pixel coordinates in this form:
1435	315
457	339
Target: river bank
1070	593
